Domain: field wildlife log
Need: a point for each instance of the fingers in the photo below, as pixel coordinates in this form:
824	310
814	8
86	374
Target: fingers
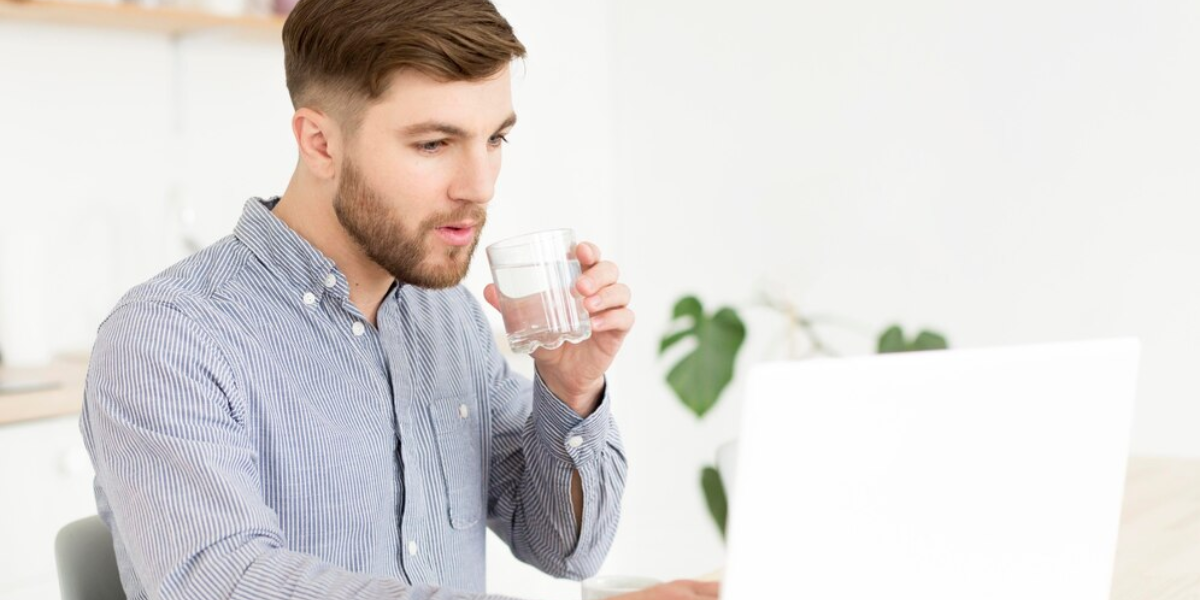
617	319
706	589
616	295
683	589
605	299
491	295
587	253
597	277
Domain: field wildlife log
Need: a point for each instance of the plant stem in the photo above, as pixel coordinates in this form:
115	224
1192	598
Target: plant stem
797	321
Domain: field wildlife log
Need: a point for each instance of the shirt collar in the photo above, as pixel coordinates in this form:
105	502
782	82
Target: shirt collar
285	253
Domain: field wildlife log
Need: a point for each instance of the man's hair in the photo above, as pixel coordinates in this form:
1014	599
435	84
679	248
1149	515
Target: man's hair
340	55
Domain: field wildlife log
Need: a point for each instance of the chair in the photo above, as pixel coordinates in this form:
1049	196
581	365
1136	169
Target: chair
87	565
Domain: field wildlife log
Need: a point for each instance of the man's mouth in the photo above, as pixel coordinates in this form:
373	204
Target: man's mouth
458	234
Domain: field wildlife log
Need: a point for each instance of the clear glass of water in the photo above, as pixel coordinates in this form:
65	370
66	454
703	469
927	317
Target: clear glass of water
535	276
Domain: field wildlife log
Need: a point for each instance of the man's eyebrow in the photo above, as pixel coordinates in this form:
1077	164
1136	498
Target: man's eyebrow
451	130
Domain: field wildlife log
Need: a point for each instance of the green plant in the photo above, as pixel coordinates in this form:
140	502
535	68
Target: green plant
703	372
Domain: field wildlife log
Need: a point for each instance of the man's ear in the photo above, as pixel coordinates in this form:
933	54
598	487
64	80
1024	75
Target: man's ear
319	142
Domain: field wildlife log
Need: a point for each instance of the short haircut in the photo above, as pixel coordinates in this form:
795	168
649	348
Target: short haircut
340	55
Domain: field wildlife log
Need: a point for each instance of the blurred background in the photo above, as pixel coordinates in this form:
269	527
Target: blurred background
1003	172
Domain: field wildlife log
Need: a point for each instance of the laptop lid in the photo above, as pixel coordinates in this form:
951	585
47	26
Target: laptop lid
942	475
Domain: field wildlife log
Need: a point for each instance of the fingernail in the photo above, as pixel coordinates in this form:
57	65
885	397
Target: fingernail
592	303
597	322
585	285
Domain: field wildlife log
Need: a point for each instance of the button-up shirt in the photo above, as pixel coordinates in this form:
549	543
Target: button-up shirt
254	436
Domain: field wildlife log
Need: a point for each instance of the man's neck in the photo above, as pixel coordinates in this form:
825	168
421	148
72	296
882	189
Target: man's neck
308	211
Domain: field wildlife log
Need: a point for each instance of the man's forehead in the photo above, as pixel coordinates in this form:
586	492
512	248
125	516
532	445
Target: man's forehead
414	98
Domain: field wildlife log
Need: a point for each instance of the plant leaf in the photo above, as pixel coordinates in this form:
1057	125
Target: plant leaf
669	340
714	496
928	340
699	377
892	340
688	306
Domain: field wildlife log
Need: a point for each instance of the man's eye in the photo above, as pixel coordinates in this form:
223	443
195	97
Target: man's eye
431	146
496	140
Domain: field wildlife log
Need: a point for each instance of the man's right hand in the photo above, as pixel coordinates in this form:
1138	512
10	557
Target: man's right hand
676	590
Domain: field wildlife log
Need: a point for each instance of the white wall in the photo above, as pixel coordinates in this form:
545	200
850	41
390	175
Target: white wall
1005	172
83	161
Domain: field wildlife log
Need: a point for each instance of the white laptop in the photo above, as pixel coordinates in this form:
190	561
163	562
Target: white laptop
941	475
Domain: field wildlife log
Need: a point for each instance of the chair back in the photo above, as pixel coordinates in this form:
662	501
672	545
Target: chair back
87	565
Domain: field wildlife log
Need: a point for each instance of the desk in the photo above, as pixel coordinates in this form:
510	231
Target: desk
1158	552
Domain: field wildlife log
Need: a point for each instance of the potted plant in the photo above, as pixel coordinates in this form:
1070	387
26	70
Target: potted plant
700	376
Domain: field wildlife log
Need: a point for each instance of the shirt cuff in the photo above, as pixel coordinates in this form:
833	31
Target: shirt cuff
563	432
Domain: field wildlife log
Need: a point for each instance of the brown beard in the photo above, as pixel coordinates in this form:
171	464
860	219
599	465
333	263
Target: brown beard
385	239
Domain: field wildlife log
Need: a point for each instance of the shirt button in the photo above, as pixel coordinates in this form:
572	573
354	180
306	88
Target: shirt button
358	328
463	411
575	441
310	298
330	280
412	548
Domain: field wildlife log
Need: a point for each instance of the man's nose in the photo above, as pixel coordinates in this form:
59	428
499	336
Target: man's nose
476	177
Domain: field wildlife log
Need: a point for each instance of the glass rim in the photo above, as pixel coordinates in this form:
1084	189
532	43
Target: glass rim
526	238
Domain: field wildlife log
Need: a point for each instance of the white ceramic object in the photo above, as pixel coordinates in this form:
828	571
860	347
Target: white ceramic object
24	340
609	586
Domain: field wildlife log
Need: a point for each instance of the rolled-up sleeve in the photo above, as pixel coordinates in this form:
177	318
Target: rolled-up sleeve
177	473
538	443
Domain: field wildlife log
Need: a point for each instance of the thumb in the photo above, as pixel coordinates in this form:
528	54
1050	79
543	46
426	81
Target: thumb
489	294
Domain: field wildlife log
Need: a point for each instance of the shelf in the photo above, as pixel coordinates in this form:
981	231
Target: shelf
172	21
66	398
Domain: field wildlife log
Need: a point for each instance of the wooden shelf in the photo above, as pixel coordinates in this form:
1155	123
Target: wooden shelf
67	372
173	21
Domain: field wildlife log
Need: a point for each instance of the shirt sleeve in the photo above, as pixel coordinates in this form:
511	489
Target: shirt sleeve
177	474
538	442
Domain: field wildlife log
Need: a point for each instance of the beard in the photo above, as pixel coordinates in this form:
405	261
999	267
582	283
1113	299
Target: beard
386	239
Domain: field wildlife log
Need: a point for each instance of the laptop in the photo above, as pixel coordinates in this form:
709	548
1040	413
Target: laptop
941	475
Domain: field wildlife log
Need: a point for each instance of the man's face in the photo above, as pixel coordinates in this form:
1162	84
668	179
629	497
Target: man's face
417	176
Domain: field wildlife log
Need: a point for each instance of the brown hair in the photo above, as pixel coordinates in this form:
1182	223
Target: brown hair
340	55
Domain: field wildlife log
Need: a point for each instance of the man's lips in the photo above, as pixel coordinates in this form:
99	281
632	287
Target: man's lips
459	234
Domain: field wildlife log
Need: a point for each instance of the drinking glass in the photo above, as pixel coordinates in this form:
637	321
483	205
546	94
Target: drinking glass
535	277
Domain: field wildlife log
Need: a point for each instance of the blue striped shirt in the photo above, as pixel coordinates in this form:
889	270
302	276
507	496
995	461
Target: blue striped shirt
255	437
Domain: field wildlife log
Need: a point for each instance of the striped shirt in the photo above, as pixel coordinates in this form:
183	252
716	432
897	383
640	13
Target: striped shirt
255	437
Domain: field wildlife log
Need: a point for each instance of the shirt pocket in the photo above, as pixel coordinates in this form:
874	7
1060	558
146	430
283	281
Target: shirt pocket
456	426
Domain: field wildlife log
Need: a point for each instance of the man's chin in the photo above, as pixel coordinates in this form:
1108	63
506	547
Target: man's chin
441	276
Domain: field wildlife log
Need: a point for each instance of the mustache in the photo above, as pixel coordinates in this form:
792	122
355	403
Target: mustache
471	213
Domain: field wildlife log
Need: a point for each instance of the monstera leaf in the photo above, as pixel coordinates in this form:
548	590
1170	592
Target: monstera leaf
700	376
893	340
714	496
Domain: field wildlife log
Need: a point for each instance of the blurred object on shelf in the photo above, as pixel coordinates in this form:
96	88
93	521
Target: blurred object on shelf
229	8
284	7
175	17
108	2
24	339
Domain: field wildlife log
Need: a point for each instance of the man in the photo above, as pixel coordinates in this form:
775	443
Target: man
313	407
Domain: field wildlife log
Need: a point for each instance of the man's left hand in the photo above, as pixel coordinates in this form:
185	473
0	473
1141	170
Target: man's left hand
575	372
